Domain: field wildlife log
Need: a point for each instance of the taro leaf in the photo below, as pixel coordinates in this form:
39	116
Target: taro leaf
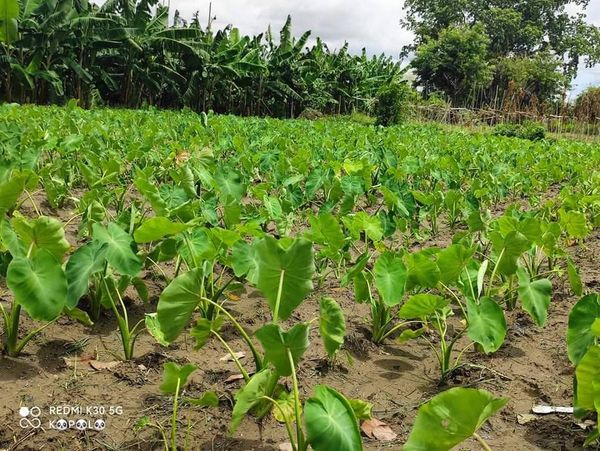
284	275
332	325
326	231
244	261
487	325
481	276
362	410
508	250
390	277
286	407
38	284
574	223
154	329
261	384
208	399
361	263
157	228
118	248
330	422
574	278
277	343
177	303
41	233
587	374
9	241
78	315
450	418
85	261
229	185
579	331
422	271
451	262
362	291
150	191
175	377
11	189
203	329
421	305
535	296
409	334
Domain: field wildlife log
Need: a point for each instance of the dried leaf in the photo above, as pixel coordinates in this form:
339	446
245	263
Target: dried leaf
229	358
378	430
524	418
285	446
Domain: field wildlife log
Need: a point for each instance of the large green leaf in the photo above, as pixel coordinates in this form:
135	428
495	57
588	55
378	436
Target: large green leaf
156	228
422	271
326	231
332	325
450	418
579	331
85	261
284	276
177	303
508	250
390	277
487	325
277	344
38	284
11	189
9	15
574	223
535	296
175	377
451	262
119	251
587	374
330	422
41	233
422	305
260	385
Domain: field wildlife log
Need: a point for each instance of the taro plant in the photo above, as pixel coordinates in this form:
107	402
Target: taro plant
452	417
583	346
34	275
102	269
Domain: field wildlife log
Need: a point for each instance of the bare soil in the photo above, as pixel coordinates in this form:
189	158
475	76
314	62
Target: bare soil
531	368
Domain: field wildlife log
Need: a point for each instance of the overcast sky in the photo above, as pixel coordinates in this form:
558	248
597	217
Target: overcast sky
374	24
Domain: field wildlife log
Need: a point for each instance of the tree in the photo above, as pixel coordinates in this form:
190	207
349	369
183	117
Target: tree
455	62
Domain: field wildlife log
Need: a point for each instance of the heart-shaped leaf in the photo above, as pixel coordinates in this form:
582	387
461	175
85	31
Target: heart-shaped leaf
330	422
421	305
284	276
85	261
278	343
38	284
487	325
332	325
535	296
390	277
175	377
119	251
260	385
177	303
579	331
157	228
450	418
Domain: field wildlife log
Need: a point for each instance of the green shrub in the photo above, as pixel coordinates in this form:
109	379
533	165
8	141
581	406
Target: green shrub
392	103
528	130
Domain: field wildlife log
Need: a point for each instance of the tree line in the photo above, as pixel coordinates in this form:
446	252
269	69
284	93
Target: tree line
125	53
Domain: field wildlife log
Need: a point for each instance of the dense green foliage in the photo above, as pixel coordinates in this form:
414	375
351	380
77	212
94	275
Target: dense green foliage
534	47
227	203
392	103
125	53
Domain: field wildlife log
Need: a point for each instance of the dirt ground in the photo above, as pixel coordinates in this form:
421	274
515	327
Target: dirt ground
531	368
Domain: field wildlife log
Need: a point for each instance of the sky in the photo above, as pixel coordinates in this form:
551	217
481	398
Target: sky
373	24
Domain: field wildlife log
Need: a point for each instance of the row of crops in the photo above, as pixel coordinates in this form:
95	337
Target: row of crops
210	207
